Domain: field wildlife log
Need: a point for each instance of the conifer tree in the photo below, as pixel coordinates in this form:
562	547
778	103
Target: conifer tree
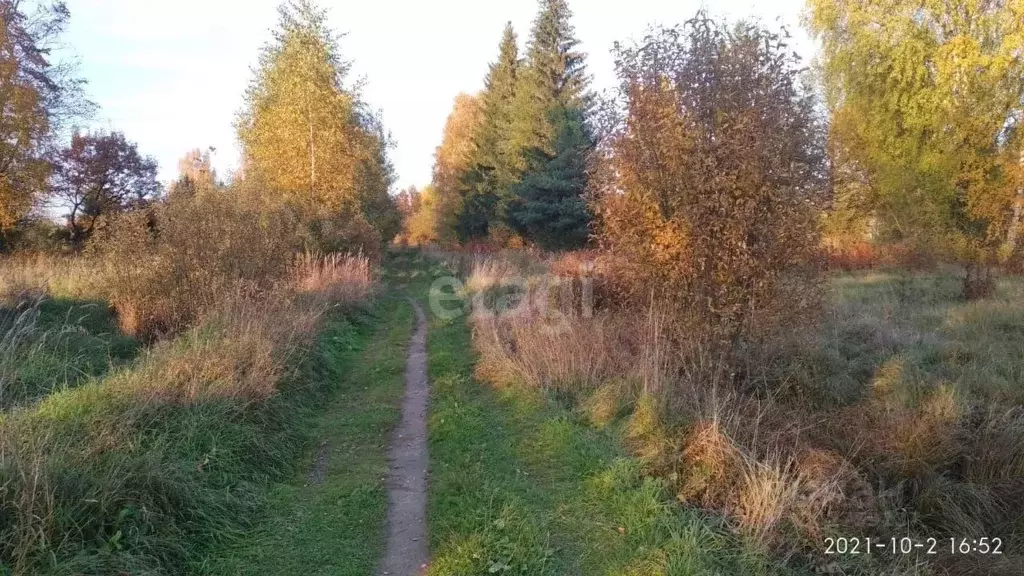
549	208
554	77
479	202
549	122
495	165
493	147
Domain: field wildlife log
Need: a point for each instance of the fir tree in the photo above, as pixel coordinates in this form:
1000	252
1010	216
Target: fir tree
554	77
493	149
495	165
549	208
478	206
549	122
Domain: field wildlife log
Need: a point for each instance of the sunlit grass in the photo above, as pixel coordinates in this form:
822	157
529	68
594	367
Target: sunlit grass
520	484
901	393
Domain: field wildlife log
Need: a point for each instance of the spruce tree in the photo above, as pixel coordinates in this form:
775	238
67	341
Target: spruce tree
497	98
549	208
495	165
477	212
549	123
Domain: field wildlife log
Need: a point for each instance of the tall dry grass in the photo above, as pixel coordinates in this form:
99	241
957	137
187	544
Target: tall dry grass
337	278
162	270
901	414
26	276
138	470
117	475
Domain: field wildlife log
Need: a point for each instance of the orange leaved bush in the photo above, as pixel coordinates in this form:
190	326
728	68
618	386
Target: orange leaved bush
711	181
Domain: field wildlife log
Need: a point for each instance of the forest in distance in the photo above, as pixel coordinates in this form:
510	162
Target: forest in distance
740	313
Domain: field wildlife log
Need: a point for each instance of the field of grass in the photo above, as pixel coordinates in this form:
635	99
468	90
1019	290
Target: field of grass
328	517
898	415
47	345
522	484
148	465
919	322
255	441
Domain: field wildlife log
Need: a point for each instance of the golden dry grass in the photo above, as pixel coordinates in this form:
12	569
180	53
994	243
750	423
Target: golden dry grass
900	412
338	278
34	275
235	356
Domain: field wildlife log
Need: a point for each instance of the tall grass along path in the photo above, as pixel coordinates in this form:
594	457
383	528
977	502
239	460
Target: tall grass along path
407	552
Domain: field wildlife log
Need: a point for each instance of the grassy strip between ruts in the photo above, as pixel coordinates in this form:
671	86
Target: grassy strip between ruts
336	527
519	485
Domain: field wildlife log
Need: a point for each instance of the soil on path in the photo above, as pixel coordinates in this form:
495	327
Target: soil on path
406	553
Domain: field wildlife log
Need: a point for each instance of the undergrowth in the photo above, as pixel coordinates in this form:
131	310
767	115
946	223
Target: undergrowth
50	344
898	415
521	485
98	481
146	468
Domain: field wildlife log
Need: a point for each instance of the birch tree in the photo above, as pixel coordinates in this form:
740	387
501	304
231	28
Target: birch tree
306	135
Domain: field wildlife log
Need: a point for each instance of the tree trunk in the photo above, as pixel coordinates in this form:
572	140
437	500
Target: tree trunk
979	282
312	149
1018	207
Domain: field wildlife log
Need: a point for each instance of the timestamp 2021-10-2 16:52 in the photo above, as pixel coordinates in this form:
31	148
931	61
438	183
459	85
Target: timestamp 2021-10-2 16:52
907	545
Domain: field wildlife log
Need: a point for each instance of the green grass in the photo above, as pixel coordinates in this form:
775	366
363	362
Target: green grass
336	528
57	344
97	480
520	485
920	322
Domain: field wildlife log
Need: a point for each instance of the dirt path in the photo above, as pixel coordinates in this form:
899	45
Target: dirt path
407	553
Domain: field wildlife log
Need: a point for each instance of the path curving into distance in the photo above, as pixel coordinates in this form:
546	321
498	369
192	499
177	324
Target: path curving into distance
406	553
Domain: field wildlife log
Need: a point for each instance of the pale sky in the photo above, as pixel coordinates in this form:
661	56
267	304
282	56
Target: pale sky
171	75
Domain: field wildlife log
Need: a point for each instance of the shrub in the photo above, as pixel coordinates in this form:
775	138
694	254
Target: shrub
163	269
899	414
711	182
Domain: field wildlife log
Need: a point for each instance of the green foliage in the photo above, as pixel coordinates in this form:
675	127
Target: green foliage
549	207
549	127
34	235
308	140
553	78
496	162
479	202
925	98
527	169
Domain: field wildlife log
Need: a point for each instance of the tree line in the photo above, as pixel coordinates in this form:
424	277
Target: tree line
917	108
513	160
310	145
